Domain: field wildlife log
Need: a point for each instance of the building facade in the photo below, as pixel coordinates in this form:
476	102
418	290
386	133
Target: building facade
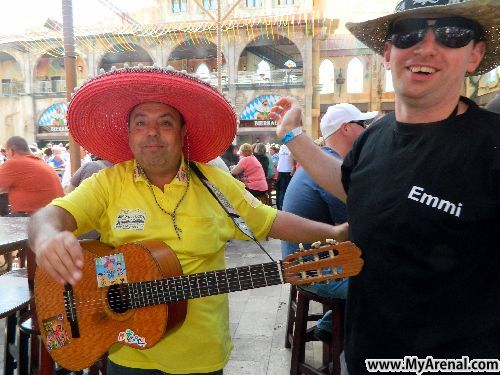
254	51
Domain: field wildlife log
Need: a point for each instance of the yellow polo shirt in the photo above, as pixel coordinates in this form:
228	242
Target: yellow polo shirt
202	343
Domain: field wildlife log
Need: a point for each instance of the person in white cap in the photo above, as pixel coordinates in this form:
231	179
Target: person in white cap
341	125
422	187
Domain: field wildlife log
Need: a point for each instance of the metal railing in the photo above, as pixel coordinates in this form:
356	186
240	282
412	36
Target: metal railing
50	86
279	77
12	88
274	77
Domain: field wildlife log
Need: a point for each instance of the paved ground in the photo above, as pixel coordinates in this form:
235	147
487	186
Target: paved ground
257	319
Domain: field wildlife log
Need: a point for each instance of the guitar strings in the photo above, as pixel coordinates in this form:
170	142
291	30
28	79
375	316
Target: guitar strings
146	294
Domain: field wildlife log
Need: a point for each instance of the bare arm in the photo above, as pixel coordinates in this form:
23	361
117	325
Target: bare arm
57	250
293	228
237	169
323	168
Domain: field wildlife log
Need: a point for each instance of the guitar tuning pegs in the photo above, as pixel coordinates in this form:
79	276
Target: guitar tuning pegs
331	241
301	247
316	245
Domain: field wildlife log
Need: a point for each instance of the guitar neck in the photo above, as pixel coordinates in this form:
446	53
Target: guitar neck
184	287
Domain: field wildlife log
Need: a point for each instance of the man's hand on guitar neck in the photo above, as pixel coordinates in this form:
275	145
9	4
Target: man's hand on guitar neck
57	250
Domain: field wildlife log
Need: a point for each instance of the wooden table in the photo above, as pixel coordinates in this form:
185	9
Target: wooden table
14	292
13	235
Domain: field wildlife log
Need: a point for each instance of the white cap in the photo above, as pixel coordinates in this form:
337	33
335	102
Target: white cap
339	114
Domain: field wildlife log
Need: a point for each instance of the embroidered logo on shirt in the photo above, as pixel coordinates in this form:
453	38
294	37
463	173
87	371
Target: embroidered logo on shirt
417	194
130	219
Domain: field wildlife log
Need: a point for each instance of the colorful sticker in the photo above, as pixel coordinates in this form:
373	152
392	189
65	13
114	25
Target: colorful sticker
57	337
110	270
130	219
129	337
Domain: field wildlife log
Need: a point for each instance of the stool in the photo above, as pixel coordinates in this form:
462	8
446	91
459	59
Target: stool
302	335
292	308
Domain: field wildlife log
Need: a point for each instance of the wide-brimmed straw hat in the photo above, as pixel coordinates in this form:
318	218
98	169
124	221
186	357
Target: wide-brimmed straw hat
99	111
373	33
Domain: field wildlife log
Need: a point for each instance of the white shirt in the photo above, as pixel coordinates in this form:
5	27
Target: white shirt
285	161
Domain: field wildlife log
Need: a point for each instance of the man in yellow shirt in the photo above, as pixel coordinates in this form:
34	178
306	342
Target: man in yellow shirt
152	123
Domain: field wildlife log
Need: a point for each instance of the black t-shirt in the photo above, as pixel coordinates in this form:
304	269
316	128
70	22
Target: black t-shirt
424	207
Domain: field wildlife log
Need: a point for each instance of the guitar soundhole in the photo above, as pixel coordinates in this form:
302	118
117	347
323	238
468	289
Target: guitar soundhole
117	298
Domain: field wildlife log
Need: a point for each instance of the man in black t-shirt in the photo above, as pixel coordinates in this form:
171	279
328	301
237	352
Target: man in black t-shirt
422	187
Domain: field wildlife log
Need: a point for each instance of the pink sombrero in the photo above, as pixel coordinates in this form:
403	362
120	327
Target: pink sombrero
99	110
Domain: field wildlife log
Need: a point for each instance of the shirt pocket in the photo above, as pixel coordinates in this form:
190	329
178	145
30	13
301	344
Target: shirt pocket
201	236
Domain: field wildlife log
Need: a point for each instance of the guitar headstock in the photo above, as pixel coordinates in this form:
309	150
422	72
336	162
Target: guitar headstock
322	262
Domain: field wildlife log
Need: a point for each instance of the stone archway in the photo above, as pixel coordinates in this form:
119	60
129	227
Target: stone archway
119	59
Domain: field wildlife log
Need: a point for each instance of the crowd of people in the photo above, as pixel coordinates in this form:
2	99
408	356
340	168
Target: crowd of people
417	191
256	165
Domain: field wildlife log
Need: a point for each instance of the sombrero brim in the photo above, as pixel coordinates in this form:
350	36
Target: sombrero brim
373	33
98	112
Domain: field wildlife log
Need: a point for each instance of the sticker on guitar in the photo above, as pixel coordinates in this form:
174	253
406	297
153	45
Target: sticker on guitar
57	337
110	270
129	337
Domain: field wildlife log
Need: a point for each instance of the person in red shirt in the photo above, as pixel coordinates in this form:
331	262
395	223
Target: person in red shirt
29	181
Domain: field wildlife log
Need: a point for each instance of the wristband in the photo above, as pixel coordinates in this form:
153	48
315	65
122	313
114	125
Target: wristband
291	135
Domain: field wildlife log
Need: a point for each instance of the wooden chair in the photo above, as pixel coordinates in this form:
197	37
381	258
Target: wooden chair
271	191
302	334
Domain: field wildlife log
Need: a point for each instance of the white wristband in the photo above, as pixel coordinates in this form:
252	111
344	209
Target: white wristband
291	135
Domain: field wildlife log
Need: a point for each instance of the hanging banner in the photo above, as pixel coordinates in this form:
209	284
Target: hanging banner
256	113
53	119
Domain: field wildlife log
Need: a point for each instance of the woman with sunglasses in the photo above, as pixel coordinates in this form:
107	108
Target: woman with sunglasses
422	187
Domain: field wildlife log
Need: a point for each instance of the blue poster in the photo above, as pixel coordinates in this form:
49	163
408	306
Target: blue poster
259	108
53	119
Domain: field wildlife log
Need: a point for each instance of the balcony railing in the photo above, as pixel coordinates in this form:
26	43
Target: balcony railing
275	78
280	77
12	88
212	79
53	86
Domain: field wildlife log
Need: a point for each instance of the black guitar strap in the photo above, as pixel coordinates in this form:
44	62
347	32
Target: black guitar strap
228	208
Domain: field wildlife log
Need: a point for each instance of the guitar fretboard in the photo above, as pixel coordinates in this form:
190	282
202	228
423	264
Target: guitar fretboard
155	292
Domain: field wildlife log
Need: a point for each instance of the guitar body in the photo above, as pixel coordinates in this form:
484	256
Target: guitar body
99	322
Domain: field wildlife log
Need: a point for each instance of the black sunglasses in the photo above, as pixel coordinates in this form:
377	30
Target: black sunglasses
362	123
451	32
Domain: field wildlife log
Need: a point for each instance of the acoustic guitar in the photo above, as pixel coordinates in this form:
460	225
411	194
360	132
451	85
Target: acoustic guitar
135	293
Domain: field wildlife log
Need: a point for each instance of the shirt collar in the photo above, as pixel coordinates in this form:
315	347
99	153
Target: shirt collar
181	177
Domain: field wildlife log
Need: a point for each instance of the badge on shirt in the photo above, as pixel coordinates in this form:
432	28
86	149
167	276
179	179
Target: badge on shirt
130	219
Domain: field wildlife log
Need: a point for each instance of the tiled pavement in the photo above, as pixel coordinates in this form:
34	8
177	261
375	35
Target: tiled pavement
257	320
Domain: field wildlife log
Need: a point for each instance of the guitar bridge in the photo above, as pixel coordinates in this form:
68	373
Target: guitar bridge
70	306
